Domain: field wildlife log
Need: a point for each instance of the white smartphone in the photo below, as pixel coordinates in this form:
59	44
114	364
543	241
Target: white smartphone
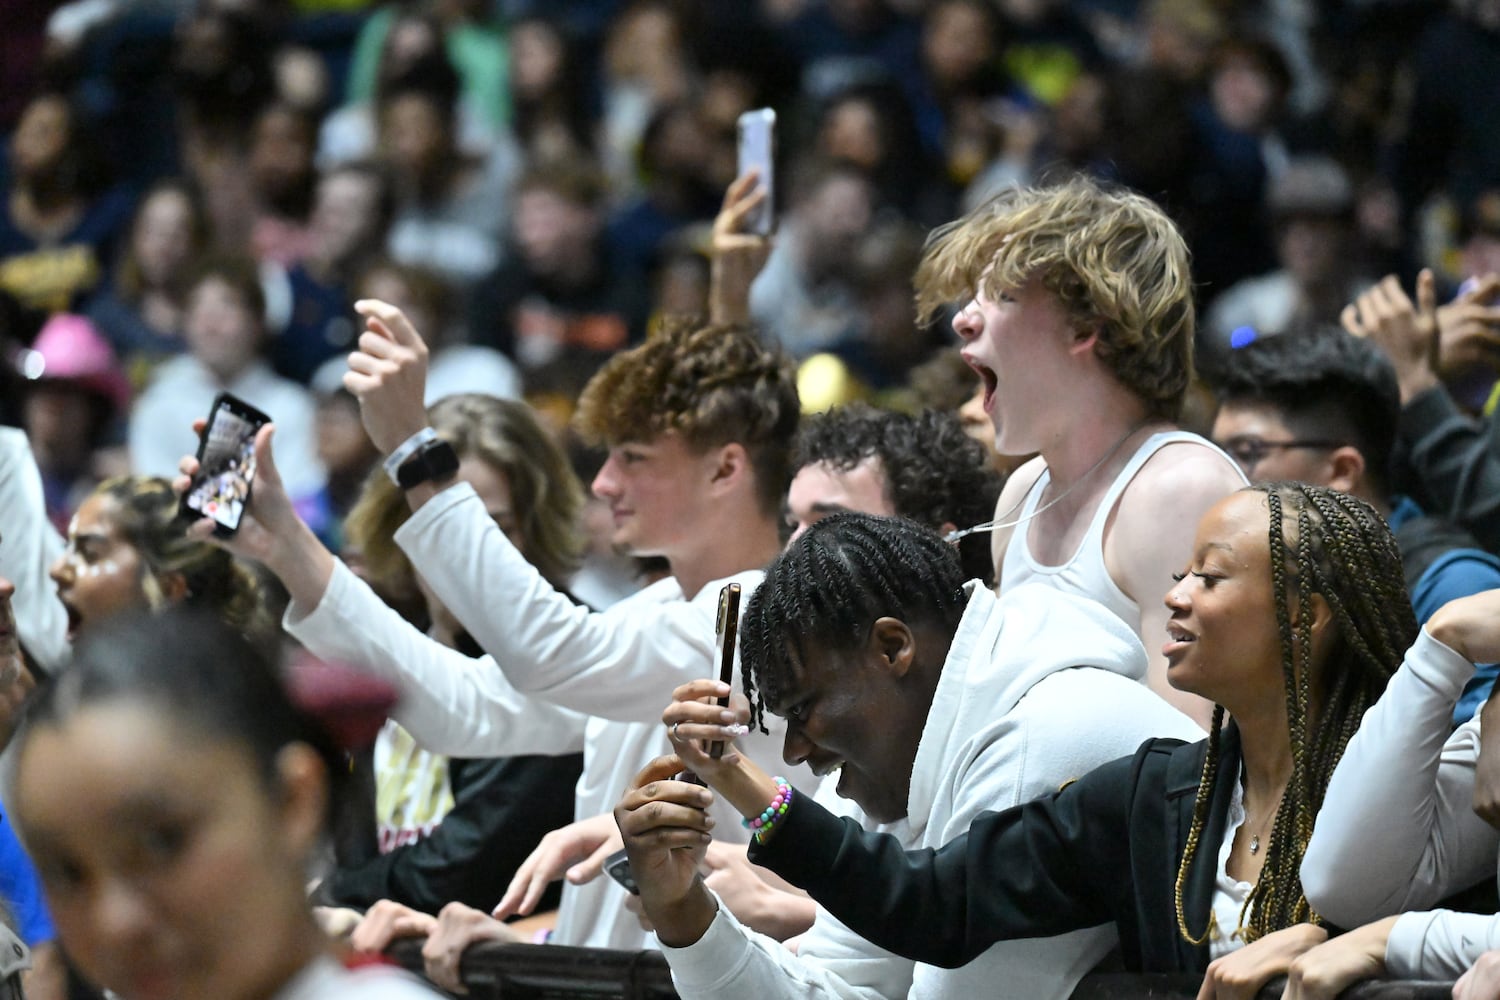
757	151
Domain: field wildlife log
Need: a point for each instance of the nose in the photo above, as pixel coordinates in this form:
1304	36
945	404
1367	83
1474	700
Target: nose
1177	598
121	914
795	746
61	571
968	321
7	589
606	486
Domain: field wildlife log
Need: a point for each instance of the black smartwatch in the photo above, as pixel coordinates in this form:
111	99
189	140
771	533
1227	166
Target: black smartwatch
435	461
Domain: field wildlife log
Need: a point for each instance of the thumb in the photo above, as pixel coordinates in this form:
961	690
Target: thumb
591	867
265	460
1426	292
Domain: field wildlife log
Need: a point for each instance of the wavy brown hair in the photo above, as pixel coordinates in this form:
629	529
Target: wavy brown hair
546	496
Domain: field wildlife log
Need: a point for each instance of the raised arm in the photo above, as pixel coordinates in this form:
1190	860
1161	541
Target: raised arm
451	703
1455	458
1397	830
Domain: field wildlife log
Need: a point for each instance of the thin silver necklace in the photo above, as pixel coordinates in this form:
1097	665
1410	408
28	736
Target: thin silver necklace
1000	522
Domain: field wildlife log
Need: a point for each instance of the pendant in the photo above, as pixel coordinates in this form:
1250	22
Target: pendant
1255	843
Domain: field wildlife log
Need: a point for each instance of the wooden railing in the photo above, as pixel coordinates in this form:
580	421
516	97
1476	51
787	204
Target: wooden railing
554	972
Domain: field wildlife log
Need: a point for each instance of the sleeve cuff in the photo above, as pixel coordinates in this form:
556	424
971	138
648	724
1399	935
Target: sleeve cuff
1403	949
326	612
426	516
713	962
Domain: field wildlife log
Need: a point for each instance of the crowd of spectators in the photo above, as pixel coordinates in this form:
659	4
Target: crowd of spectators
1184	245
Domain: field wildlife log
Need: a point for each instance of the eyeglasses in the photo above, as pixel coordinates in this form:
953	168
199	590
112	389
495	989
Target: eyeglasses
1250	451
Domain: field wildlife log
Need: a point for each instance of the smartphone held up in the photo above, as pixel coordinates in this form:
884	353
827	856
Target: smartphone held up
226	464
757	152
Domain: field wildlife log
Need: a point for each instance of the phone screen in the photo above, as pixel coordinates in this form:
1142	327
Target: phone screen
226	464
757	151
728	624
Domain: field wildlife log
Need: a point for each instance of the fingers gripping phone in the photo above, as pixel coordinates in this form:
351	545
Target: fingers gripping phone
226	464
725	633
725	630
757	151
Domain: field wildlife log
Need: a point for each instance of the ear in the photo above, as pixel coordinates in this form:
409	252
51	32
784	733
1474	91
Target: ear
946	528
1347	469
1084	340
302	779
730	467
893	646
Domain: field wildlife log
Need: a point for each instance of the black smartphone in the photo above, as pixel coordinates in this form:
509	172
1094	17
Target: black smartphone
757	151
226	464
725	632
618	866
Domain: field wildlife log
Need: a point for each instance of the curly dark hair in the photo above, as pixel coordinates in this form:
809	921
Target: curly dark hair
935	474
831	584
712	384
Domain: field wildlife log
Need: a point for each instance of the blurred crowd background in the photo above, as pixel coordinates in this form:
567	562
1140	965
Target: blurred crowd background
196	192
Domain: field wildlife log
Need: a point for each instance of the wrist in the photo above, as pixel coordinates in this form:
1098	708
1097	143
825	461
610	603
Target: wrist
1416	380
683	921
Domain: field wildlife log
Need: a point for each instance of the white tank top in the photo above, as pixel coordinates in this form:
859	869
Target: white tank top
1085	573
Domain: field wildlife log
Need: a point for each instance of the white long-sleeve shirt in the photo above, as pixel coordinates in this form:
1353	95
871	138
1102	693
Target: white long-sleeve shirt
28	547
1397	830
1027	676
618	666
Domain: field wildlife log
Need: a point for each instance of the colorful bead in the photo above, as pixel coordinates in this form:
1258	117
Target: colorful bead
762	825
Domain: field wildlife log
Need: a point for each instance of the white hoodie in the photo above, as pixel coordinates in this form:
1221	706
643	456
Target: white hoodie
1039	687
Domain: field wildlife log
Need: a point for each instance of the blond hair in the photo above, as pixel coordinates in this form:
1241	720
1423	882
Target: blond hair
1118	265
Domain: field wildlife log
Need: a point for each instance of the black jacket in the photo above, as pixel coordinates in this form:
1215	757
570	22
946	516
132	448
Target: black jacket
1104	848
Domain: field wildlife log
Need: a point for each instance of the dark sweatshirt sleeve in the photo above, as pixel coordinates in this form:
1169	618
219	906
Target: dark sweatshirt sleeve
501	809
1456	461
1045	867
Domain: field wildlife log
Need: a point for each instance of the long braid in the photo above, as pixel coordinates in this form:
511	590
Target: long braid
1345	553
1340	549
1195	831
830	586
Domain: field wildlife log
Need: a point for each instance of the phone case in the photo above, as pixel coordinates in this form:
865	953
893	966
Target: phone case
757	151
224	501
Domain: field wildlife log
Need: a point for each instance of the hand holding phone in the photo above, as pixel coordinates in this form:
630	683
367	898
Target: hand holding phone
226	464
757	151
725	633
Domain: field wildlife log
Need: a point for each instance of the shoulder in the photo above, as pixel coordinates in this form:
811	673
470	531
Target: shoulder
1184	477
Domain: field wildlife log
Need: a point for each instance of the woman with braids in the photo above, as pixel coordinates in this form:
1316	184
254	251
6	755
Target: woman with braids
1291	617
128	548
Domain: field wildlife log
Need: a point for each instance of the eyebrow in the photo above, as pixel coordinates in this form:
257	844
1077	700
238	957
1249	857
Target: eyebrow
828	507
1221	546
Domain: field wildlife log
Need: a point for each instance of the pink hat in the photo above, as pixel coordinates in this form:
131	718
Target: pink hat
70	348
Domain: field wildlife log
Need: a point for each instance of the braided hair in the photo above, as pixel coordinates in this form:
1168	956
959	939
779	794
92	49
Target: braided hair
1327	543
829	587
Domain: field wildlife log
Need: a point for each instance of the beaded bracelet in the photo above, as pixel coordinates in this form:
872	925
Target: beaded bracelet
763	824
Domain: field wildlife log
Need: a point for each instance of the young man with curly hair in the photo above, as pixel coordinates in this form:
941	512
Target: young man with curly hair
1079	320
699	424
924	467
